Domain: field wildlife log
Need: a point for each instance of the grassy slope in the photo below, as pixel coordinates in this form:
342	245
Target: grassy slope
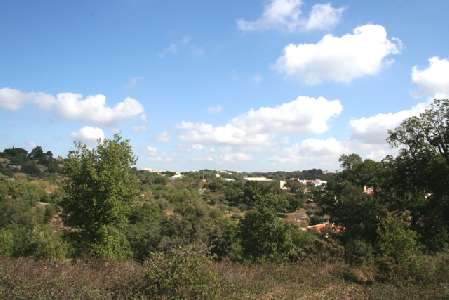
27	279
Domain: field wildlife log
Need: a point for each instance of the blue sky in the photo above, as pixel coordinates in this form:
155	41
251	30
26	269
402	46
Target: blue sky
210	84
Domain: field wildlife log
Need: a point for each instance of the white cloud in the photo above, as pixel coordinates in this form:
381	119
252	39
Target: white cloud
88	135
152	151
323	17
373	129
197	147
154	155
12	99
74	106
339	59
93	108
433	80
255	127
287	15
235	157
164	137
215	109
316	149
310	153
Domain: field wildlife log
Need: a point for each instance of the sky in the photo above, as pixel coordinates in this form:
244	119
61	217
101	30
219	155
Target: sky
254	85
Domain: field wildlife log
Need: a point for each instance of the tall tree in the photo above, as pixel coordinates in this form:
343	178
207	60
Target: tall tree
100	190
423	167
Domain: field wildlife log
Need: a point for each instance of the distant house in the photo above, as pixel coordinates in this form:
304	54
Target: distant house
369	190
283	185
229	179
150	170
314	182
258	179
177	176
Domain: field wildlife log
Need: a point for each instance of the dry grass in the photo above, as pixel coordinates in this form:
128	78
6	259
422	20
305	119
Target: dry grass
27	279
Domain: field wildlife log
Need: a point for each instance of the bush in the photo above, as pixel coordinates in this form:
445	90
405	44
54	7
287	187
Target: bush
396	240
46	245
111	245
399	252
181	273
359	252
6	242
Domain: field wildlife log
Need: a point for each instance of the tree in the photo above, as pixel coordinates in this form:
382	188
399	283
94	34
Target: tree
100	191
350	161
423	168
426	134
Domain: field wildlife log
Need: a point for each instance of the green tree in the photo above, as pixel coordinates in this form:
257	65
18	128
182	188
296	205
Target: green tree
422	170
100	191
265	237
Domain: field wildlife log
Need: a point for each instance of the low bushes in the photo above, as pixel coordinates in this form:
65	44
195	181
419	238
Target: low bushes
181	273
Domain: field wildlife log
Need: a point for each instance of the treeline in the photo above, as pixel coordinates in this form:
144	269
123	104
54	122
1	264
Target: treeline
35	163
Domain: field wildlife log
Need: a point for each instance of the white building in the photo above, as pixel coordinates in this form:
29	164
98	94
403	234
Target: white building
257	179
177	176
283	185
314	182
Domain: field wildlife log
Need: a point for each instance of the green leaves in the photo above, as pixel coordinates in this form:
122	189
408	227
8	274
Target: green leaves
100	190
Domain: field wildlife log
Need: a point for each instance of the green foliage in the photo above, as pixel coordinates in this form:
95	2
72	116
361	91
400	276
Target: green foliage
111	245
423	169
181	273
144	229
6	242
359	252
101	189
396	239
47	245
265	237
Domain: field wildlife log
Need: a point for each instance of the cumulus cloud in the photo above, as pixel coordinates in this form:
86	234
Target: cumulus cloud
93	108
339	59
303	115
373	129
73	106
287	15
12	99
433	80
312	148
323	17
88	135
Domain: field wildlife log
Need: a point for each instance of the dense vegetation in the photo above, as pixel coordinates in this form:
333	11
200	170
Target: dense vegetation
91	226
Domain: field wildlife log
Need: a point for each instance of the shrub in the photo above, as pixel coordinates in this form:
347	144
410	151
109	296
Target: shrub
111	245
47	245
181	273
6	242
398	249
359	252
396	240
